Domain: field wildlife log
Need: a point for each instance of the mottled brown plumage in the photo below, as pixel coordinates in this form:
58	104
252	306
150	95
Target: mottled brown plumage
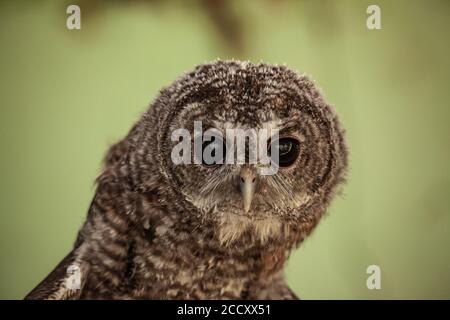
156	230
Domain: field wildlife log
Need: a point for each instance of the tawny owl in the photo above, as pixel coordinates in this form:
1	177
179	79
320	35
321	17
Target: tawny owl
157	229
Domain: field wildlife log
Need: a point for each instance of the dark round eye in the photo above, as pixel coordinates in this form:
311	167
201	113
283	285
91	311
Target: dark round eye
288	151
213	151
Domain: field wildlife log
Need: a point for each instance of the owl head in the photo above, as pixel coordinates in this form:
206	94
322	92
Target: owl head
274	107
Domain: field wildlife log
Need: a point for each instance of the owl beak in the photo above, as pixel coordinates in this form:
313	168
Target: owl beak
247	185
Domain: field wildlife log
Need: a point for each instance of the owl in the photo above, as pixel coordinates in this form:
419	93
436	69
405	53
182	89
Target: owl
160	229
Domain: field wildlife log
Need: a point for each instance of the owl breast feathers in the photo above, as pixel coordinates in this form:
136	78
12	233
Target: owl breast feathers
179	214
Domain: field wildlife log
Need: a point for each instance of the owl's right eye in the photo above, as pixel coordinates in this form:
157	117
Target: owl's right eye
213	152
288	151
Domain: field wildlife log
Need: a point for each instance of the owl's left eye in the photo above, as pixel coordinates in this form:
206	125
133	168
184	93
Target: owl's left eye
288	151
213	152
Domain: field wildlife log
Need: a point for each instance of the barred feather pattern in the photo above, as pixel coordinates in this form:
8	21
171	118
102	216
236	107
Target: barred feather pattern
159	231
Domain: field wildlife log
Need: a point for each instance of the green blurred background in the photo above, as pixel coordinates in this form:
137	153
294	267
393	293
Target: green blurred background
66	95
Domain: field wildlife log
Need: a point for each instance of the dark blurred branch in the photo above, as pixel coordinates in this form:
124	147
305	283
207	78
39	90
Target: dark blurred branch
228	25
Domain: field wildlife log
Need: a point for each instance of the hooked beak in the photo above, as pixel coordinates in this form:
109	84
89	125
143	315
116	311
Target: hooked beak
247	185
